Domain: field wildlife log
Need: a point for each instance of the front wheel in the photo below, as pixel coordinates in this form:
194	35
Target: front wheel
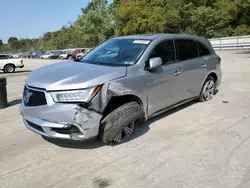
120	123
9	69
208	90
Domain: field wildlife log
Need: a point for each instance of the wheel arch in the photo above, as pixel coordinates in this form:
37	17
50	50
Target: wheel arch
117	101
9	64
214	75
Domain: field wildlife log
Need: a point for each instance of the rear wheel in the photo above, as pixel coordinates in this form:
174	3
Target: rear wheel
120	123
208	90
9	68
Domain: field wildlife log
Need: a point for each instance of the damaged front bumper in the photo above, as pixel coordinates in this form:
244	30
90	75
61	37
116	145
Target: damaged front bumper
63	121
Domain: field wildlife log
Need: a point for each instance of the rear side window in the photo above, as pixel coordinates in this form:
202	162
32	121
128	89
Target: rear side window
186	49
3	56
203	50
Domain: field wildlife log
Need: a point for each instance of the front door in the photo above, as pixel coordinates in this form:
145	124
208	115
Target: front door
164	84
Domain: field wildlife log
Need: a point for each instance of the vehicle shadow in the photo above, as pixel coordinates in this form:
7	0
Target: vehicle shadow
140	130
145	127
14	102
89	144
16	72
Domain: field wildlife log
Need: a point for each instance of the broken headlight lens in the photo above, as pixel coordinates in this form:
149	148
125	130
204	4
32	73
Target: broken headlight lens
74	96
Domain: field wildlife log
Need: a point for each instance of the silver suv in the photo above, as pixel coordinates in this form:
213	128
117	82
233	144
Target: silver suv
120	83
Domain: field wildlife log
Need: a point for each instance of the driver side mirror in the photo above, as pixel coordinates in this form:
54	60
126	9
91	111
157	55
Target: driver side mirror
154	62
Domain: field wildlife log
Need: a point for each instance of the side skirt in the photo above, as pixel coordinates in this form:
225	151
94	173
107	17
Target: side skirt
172	107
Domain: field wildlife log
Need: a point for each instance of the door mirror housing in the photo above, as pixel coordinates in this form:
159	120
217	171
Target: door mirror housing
155	62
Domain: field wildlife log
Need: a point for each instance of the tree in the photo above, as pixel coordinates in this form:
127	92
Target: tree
95	25
147	16
100	21
11	39
242	30
205	21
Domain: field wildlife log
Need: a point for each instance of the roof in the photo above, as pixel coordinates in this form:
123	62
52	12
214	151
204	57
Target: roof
154	36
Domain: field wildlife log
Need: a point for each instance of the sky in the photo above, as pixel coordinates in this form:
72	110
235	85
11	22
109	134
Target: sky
32	18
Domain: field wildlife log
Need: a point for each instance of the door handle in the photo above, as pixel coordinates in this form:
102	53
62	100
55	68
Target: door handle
203	66
176	73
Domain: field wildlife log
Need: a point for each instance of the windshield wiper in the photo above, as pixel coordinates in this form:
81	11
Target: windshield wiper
103	63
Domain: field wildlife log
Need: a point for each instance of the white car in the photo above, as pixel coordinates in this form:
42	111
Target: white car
82	54
65	54
46	56
8	63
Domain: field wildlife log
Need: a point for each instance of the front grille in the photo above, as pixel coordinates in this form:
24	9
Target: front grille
35	126
35	98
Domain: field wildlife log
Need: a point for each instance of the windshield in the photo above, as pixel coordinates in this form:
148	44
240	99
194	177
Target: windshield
117	52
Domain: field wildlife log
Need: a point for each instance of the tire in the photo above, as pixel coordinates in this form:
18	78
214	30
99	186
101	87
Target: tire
70	57
119	119
9	68
208	90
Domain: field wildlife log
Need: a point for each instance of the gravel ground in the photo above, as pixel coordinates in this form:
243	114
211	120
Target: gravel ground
197	145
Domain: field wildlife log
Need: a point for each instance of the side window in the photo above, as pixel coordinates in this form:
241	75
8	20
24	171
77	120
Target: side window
3	57
165	51
203	51
186	49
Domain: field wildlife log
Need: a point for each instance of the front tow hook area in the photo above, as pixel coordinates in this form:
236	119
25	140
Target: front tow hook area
71	130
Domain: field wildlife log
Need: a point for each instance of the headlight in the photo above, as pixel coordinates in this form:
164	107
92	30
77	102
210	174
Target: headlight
76	95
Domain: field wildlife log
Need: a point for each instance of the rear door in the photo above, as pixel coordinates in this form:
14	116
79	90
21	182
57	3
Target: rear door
194	66
210	57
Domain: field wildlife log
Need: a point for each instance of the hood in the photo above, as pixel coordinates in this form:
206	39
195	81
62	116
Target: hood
73	75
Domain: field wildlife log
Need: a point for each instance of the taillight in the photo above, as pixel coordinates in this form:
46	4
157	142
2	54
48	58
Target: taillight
219	59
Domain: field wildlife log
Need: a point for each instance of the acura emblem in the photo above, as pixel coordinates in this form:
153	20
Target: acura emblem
26	96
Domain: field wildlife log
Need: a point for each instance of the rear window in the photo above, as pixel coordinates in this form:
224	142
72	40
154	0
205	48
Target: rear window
186	49
203	50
